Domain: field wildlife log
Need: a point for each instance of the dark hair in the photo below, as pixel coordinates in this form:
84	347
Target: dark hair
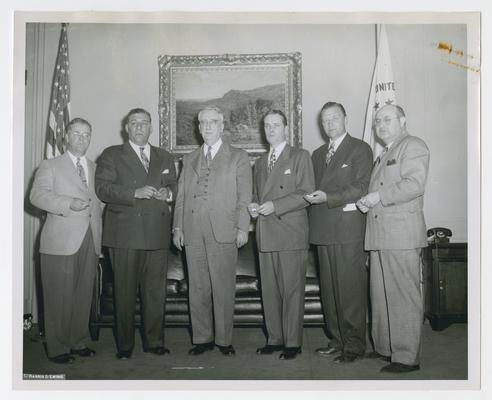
138	111
78	121
399	110
276	112
334	104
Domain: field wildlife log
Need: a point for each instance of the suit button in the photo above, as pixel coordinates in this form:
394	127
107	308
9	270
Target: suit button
375	216
281	187
139	215
192	211
381	183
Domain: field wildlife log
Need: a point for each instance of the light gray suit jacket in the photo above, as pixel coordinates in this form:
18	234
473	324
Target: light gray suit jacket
55	185
230	187
397	222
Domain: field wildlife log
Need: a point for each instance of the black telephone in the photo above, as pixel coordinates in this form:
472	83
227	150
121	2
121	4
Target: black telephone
438	235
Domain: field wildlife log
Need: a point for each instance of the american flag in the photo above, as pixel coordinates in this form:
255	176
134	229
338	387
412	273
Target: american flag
60	99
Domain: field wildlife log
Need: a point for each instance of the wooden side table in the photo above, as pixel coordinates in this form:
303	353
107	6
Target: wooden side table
445	284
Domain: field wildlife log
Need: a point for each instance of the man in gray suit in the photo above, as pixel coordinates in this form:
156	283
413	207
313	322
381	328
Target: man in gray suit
395	234
211	222
281	178
70	244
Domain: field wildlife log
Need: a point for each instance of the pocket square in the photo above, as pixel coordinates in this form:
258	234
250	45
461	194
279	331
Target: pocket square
287	172
166	171
345	165
391	162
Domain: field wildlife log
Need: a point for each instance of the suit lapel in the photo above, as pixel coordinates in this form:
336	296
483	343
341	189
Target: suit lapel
154	166
134	162
70	169
278	170
195	160
336	161
387	156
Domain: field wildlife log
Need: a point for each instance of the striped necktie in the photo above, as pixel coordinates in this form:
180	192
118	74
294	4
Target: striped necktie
330	153
145	160
80	171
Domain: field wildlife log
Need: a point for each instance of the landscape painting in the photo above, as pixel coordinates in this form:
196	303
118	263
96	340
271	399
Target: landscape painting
244	87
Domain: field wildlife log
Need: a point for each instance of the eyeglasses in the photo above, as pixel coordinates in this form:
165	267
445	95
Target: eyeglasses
385	120
81	135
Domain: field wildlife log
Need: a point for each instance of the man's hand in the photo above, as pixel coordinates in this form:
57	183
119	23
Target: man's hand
78	204
370	199
242	238
317	197
362	207
266	208
253	209
178	238
161	194
145	192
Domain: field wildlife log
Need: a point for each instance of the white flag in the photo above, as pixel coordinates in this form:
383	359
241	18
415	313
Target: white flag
383	90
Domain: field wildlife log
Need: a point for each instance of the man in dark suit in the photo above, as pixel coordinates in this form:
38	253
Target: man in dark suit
281	178
342	169
395	235
137	181
211	222
70	244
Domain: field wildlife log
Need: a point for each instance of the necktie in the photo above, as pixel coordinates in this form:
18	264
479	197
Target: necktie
81	171
145	160
378	160
272	161
331	151
208	157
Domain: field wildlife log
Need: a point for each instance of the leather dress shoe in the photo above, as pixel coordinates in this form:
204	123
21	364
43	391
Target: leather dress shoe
85	352
327	351
159	350
398	368
290	353
64	358
201	348
375	355
227	350
123	355
347	357
269	349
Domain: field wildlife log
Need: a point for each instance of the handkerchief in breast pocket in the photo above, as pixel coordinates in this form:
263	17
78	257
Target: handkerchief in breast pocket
287	172
166	171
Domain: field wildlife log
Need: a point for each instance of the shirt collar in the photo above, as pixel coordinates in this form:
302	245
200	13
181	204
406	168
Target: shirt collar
338	140
278	149
136	147
214	148
74	158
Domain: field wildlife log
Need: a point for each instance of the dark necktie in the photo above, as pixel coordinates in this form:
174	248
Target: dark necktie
272	161
81	172
378	160
330	153
145	160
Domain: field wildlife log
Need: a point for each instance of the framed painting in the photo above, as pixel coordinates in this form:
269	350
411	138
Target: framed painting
243	86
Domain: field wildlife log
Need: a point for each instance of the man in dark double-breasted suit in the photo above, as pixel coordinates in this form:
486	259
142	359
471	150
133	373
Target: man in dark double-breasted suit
281	179
137	181
342	169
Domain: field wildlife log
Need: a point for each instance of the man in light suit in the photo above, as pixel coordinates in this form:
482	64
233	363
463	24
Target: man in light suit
137	181
211	222
395	235
70	244
281	179
342	169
